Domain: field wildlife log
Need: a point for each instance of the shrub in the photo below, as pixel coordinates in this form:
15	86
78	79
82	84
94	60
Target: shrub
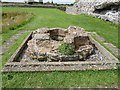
66	49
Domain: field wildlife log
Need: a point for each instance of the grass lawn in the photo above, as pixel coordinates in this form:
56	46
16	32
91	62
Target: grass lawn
61	79
55	18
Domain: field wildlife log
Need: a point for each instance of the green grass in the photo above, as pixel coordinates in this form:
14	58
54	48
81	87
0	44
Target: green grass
56	18
13	48
102	43
61	79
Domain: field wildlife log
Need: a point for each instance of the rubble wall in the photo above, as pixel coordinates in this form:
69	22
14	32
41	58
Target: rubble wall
108	10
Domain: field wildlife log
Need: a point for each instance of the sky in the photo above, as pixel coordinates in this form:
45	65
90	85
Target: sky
55	1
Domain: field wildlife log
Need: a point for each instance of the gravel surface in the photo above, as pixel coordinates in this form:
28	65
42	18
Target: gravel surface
96	56
11	41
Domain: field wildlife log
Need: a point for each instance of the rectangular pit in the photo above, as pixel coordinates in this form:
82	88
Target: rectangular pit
15	65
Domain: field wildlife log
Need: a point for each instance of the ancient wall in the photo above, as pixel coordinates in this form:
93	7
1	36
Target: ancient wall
109	9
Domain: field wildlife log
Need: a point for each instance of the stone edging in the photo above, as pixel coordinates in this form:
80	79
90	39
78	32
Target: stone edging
13	66
110	46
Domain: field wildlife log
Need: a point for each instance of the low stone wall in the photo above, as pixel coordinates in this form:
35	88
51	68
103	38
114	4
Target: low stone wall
16	55
34	5
58	66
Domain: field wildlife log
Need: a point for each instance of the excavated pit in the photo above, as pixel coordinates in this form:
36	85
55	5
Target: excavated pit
44	44
39	52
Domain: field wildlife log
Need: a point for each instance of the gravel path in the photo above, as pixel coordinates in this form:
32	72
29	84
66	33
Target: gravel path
11	41
111	47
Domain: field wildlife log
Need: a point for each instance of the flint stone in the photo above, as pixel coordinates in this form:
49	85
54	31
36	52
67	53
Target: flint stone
69	39
76	31
39	56
57	37
41	31
57	32
97	7
85	50
42	58
69	57
55	45
52	57
41	36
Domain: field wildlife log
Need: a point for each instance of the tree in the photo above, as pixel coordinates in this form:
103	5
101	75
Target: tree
52	2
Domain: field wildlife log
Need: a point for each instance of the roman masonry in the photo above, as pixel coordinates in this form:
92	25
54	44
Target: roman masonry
51	49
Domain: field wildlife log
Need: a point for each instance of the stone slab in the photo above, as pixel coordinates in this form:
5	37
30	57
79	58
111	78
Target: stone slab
103	50
113	48
98	37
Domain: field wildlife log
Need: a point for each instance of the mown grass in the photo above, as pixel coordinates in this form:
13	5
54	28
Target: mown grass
56	18
61	79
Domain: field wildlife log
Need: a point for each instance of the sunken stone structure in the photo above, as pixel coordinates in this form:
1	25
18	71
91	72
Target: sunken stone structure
45	42
105	9
39	52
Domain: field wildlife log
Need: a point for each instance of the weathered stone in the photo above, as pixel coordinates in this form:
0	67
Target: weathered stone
42	58
41	31
107	3
81	41
85	50
69	57
69	39
56	32
41	36
76	31
105	9
80	57
55	45
57	37
53	57
44	46
100	59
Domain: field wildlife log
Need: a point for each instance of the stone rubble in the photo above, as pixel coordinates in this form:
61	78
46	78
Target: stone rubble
45	42
85	50
108	10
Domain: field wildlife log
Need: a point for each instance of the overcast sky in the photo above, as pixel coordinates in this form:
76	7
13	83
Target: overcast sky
55	1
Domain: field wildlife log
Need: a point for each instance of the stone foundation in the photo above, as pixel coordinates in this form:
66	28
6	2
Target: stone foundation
95	56
44	45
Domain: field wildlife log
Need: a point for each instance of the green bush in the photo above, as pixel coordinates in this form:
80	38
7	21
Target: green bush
66	49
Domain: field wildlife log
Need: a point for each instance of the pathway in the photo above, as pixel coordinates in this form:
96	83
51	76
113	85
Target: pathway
111	47
11	41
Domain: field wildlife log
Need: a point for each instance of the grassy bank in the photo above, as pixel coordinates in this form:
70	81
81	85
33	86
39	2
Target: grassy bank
56	18
12	21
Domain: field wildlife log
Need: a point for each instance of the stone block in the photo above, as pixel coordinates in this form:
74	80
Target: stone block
80	41
42	36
